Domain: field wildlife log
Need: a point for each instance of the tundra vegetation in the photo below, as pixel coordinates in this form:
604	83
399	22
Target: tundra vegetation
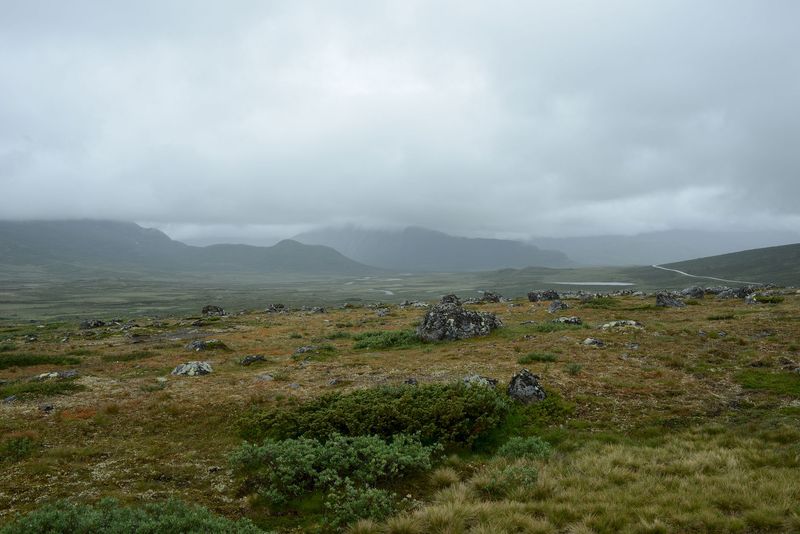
689	423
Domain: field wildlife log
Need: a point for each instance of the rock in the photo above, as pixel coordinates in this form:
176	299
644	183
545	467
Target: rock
413	304
623	323
251	359
211	310
536	296
265	377
666	300
557	305
568	320
478	380
275	308
382	312
524	387
695	292
593	342
31	338
410	381
55	375
450	299
91	323
305	349
294	385
488	296
10	399
333	382
317	309
199	345
47	408
451	321
193	369
632	346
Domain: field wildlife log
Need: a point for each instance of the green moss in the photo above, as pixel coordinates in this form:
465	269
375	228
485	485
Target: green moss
783	383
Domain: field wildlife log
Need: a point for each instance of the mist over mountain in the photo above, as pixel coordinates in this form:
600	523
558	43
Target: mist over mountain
417	249
661	247
113	245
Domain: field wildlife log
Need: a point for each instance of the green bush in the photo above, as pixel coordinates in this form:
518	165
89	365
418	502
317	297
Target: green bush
389	339
574	368
602	303
17	447
280	471
537	357
108	517
27	360
7	347
525	447
451	414
499	483
347	503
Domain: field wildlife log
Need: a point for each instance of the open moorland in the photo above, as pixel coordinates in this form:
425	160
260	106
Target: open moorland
688	422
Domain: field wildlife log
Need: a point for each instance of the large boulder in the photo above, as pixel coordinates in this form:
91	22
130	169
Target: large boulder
524	387
193	369
451	321
695	292
667	300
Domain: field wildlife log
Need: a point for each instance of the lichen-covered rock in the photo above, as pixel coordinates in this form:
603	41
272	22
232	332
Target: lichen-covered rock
193	369
211	310
524	387
568	320
557	305
623	323
199	345
450	299
251	359
536	296
488	296
275	308
91	323
666	300
695	292
593	342
451	321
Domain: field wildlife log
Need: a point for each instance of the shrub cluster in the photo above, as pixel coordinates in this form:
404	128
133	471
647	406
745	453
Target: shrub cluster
525	447
389	339
108	517
450	414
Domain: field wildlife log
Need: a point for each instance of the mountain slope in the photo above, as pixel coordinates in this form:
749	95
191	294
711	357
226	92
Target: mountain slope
777	265
111	245
418	249
661	247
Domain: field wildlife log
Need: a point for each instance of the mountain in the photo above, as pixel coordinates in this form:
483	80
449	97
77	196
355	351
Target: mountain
661	247
419	249
777	265
112	245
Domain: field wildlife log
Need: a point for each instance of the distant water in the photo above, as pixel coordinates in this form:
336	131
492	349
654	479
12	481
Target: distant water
594	283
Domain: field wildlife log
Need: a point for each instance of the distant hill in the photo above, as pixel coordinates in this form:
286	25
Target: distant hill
62	246
778	265
661	247
417	249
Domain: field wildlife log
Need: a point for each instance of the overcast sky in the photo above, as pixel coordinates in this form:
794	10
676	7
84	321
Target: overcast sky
478	118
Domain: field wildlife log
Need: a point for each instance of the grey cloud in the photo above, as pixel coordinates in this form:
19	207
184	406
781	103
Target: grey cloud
560	118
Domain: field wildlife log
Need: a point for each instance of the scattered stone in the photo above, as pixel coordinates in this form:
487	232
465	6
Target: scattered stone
450	321
47	408
527	322
9	399
557	305
91	323
524	387
317	309
695	292
58	375
450	299
666	300
31	338
161	379
382	312
568	320
624	323
410	381
413	304
304	349
593	342
294	385
488	296
199	345
333	382
211	310
265	377
478	380
253	358
536	296
193	369
276	308
632	346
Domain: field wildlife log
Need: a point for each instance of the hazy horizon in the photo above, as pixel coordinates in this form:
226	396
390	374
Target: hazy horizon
551	119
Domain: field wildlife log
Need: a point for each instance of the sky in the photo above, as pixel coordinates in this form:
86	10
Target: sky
507	119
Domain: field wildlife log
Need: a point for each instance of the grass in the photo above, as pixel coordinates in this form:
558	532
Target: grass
386	339
545	328
29	360
129	357
537	357
28	390
723	317
601	303
782	383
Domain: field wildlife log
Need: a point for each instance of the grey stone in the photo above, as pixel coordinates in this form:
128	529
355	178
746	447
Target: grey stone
211	310
478	380
251	359
451	321
193	369
450	299
556	305
91	323
667	300
199	345
568	320
623	323
694	292
524	387
593	342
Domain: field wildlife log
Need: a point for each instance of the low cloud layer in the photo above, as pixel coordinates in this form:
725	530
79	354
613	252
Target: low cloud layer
503	118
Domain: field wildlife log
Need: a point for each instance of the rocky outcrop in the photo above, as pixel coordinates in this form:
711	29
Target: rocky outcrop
448	320
525	388
667	300
695	292
193	369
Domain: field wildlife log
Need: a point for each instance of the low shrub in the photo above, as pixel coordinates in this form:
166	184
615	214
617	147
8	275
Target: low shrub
109	517
497	484
602	303
28	360
7	347
451	414
346	503
39	389
574	368
537	357
388	339
17	447
130	357
280	471
545	328
525	447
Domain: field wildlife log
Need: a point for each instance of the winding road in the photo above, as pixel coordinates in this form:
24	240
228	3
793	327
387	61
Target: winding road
705	277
